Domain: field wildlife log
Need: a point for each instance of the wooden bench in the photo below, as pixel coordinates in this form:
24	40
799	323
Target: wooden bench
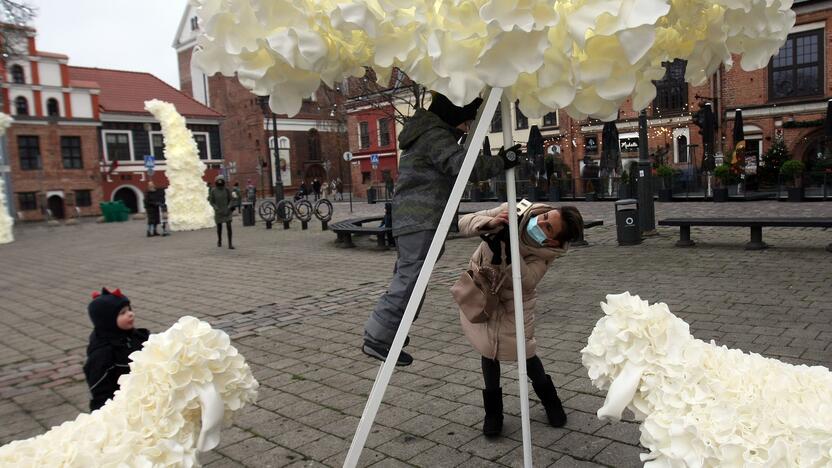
755	224
346	229
587	225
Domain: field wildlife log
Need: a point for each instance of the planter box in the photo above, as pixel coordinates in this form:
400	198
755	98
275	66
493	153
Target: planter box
624	192
665	195
476	194
795	194
590	196
534	194
554	194
720	195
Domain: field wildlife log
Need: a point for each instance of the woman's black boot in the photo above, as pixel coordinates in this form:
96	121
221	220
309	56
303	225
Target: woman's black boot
551	403
493	402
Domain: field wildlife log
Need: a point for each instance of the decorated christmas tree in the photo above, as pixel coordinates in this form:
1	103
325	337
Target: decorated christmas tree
773	160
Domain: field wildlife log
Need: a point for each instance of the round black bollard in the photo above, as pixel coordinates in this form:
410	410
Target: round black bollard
268	224
286	225
323	226
304	225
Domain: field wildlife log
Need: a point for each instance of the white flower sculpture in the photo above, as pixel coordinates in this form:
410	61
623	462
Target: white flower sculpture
6	221
187	194
704	405
181	388
585	56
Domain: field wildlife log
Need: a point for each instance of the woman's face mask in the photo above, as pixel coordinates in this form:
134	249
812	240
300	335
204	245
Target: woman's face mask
535	232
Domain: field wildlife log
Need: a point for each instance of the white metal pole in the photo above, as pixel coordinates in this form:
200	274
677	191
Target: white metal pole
517	289
473	145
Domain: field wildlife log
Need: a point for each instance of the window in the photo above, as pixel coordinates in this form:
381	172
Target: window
364	135
52	109
194	23
157	146
365	178
28	147
550	119
522	120
117	145
314	145
83	198
797	69
383	132
71	152
671	91
682	148
21	106
497	121
27	201
201	140
17	75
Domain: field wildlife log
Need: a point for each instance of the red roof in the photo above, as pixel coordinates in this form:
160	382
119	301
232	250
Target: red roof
124	92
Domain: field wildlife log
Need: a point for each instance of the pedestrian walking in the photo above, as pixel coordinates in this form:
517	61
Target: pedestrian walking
339	188
153	201
316	187
221	199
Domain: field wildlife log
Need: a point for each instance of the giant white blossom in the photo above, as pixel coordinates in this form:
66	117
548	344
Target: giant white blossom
182	387
6	221
703	405
584	56
187	194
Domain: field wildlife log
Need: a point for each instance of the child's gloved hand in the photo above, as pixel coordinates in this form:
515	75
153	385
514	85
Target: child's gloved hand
510	157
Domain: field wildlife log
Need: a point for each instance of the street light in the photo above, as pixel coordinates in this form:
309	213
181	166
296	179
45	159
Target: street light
276	179
646	208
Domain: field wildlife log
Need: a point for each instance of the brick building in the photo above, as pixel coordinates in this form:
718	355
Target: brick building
128	133
311	144
53	141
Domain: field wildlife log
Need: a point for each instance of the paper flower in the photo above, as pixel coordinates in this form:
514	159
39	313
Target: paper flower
704	405
584	56
6	221
182	386
187	194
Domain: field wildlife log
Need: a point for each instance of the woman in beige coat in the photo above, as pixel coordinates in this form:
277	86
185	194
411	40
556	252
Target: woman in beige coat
545	234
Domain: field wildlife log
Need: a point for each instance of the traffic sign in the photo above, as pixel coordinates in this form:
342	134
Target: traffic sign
149	161
347	156
374	158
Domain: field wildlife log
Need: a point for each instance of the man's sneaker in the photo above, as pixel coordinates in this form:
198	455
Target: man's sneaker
380	353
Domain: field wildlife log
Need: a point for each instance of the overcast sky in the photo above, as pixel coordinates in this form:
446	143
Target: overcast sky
122	34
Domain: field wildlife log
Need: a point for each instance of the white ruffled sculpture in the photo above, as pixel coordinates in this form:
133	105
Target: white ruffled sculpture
584	56
6	221
182	386
187	194
704	405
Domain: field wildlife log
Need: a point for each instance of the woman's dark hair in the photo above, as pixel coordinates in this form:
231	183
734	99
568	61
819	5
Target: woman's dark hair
573	225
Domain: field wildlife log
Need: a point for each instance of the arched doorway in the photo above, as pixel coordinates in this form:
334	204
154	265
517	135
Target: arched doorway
56	206
128	197
315	171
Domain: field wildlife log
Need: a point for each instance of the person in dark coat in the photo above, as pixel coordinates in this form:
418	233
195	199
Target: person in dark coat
112	340
316	187
430	162
237	194
222	200
153	200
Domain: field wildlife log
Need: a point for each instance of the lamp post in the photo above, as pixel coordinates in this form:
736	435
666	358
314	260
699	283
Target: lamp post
646	208
276	179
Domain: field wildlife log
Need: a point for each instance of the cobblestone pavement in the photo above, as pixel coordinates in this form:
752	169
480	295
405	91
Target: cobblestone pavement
295	306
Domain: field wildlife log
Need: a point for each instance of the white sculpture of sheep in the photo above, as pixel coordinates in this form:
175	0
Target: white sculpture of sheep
182	386
706	405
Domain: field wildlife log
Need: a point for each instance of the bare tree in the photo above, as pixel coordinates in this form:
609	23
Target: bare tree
15	18
390	98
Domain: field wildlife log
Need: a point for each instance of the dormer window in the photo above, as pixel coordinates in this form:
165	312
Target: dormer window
194	23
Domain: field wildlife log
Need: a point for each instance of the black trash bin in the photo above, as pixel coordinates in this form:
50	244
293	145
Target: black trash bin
248	214
371	195
626	222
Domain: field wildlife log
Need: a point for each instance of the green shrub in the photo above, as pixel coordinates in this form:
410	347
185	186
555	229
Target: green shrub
792	170
723	174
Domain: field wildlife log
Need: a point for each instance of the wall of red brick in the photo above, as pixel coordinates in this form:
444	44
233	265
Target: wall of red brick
184	60
52	176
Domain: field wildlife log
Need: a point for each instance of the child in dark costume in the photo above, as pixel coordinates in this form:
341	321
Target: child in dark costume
112	341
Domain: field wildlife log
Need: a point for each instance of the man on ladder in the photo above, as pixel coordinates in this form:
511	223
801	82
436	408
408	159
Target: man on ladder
430	162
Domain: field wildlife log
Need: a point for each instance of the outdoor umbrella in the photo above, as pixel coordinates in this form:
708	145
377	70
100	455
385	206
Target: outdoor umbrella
827	122
709	160
739	140
611	153
534	147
